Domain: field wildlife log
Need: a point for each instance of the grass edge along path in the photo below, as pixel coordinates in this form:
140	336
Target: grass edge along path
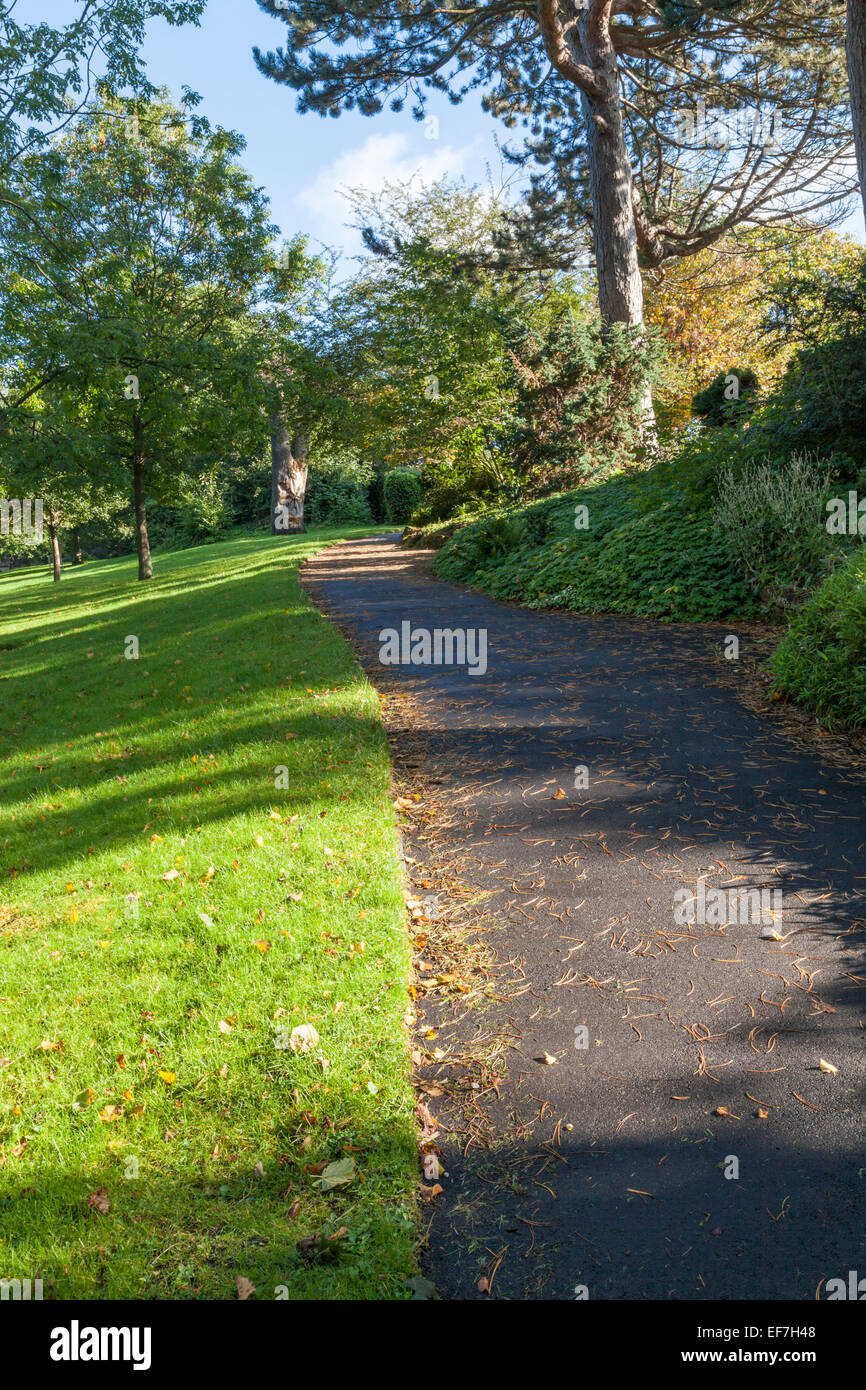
197	859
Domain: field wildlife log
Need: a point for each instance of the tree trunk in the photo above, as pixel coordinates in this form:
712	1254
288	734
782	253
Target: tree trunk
614	230
289	463
56	557
145	564
856	46
77	557
620	287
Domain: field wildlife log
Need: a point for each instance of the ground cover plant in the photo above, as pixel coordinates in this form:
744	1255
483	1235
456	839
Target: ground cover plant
632	544
821	660
198	859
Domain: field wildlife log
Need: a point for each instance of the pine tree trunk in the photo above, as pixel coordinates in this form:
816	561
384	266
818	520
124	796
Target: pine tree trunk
77	557
856	46
615	239
56	557
289	464
145	564
620	287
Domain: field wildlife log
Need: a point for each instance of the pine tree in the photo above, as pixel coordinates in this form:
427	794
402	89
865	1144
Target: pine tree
614	96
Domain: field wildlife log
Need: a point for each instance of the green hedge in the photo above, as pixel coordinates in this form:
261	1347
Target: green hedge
821	661
402	494
333	500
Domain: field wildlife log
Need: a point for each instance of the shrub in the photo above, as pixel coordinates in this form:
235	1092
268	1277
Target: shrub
727	399
206	512
774	519
337	490
821	661
455	490
579	401
402	494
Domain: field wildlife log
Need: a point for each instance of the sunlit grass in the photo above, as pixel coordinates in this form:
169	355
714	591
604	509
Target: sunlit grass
143	1018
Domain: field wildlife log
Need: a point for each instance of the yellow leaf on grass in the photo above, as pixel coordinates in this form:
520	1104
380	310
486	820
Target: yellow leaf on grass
168	1077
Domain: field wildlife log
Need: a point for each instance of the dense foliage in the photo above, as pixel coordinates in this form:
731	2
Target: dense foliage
821	660
402	494
338	490
638	547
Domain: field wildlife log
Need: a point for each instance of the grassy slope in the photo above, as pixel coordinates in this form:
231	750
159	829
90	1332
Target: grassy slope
113	773
650	548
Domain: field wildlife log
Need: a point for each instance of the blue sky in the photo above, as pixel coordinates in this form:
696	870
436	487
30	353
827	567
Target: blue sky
303	161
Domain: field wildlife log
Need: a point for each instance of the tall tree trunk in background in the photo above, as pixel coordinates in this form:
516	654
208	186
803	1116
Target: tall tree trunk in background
289	463
614	225
56	557
77	557
620	287
856	46
145	564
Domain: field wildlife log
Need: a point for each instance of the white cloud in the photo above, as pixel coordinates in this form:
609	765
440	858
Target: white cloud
392	158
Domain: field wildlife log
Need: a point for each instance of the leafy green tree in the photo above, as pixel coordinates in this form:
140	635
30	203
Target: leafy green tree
46	73
48	448
500	380
416	338
141	292
820	402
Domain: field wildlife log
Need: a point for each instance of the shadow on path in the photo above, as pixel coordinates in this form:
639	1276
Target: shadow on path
613	1168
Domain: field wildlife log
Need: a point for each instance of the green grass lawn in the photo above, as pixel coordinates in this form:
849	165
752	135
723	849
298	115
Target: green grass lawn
172	907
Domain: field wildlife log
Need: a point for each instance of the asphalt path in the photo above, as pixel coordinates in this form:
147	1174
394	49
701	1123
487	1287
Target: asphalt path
683	1139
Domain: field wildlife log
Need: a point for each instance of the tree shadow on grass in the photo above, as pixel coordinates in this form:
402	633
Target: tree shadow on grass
185	1223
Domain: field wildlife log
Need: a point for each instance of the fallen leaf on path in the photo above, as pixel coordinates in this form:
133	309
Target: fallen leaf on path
432	1167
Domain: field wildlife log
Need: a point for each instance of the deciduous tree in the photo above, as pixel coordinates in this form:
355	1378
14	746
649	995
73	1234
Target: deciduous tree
138	277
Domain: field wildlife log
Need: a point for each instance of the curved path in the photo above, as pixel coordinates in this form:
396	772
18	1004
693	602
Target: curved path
688	1144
